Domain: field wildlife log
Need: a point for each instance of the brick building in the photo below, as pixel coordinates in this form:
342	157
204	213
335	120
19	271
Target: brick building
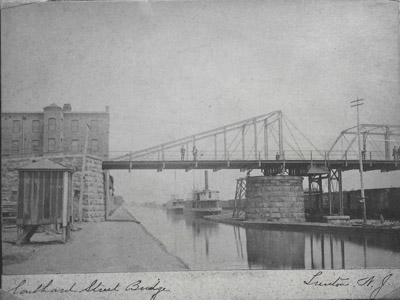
60	134
56	130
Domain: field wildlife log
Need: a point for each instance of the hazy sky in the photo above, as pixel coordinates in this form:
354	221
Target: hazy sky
171	69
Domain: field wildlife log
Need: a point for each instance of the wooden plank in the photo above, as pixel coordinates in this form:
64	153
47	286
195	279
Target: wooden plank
53	197
65	199
35	197
46	204
27	199
70	201
21	195
40	198
60	193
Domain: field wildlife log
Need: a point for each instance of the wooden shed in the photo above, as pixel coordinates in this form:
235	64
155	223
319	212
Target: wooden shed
44	198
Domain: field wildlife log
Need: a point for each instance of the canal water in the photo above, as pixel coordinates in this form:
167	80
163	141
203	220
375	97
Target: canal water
207	245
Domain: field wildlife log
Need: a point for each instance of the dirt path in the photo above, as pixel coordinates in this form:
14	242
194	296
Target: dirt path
99	247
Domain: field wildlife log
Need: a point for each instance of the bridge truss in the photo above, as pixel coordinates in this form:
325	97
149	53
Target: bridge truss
272	143
268	137
377	142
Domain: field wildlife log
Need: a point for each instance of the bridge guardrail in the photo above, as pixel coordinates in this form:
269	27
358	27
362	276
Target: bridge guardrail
307	155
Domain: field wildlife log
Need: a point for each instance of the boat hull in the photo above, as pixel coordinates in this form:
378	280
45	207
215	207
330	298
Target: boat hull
202	212
203	208
177	210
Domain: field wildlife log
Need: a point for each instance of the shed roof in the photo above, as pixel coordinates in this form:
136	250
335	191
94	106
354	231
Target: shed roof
44	165
316	170
52	105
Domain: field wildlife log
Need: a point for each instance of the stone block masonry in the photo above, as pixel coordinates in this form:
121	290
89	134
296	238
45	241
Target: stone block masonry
93	193
275	198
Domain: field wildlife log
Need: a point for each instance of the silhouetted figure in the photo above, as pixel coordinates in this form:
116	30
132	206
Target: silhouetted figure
398	153
382	219
277	156
183	153
194	153
363	152
395	152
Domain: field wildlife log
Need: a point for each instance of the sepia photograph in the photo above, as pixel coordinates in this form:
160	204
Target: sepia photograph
200	139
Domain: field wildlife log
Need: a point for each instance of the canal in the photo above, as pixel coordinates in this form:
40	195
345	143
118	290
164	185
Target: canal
207	245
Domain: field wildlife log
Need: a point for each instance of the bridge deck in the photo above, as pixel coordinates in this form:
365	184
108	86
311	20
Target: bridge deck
382	165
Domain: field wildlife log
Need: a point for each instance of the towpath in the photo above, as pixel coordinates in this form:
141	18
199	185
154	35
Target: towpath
116	246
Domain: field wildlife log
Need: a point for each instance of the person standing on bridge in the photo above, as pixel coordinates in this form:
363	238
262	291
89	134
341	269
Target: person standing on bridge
194	153
183	152
398	153
395	153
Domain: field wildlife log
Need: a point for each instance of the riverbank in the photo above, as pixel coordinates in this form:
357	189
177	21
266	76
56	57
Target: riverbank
121	245
372	226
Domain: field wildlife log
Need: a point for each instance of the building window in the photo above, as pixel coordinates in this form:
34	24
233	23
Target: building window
74	145
35	146
52	145
16	126
52	124
95	145
93	125
74	125
15	146
35	126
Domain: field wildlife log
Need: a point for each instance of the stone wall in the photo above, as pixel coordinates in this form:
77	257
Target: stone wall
93	204
275	198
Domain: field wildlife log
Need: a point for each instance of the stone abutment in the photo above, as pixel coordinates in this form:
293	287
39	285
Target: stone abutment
275	198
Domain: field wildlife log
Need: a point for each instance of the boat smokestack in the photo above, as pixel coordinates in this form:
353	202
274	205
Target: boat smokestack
206	179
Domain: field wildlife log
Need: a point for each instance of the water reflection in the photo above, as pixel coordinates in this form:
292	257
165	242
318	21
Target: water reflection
206	245
272	249
351	250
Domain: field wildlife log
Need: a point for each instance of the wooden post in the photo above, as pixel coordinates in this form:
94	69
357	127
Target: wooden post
387	143
255	140
309	195
65	206
215	146
330	192
312	250
321	194
107	191
243	145
280	126
322	251
340	191
266	139
225	144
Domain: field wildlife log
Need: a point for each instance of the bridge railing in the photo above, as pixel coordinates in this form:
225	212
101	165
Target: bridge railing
307	155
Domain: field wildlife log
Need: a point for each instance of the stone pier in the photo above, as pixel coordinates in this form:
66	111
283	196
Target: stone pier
275	198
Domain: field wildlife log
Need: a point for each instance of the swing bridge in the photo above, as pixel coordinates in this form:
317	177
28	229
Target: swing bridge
274	145
270	142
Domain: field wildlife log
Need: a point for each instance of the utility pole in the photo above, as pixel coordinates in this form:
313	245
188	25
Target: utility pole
358	103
